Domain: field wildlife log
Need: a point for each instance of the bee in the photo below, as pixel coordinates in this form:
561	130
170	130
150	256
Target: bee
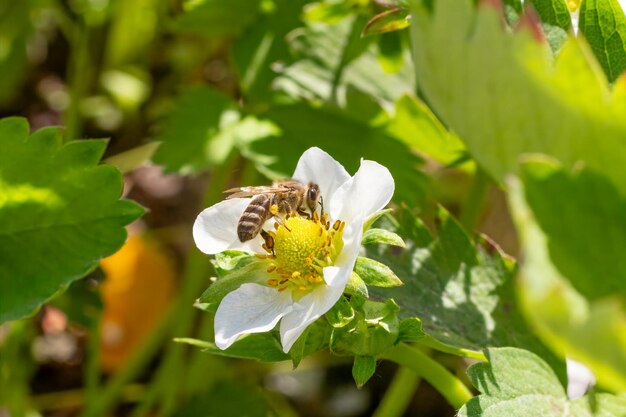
283	197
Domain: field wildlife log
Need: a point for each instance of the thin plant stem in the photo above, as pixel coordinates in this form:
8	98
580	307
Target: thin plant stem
110	393
92	366
79	74
399	394
195	278
452	389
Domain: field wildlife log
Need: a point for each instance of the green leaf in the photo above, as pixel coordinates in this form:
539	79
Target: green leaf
203	130
262	47
60	214
363	369
387	21
375	273
604	25
518	383
496	80
345	138
555	21
416	125
212	296
382	236
216	18
263	347
581	312
132	159
327	59
463	293
391	52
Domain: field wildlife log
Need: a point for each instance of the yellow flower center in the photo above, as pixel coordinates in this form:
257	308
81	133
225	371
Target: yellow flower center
302	247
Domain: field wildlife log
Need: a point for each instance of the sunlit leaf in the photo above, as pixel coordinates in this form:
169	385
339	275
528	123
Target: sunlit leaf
604	25
518	383
572	282
343	137
59	214
463	294
326	59
203	130
505	96
387	21
217	18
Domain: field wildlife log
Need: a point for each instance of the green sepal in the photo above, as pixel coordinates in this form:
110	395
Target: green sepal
212	296
356	286
383	236
340	314
263	347
375	273
411	330
373	331
229	260
315	338
369	222
362	369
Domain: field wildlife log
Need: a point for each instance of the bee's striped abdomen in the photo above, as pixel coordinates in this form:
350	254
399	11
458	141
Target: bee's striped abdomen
253	217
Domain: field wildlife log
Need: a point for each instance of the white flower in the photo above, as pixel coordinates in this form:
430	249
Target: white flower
313	260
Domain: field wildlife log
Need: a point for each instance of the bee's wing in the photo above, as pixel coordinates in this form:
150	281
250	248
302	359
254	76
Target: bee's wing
288	183
254	190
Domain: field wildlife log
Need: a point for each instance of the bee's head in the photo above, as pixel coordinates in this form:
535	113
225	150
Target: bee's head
312	196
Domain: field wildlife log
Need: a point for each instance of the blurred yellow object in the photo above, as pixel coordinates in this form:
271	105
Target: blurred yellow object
138	288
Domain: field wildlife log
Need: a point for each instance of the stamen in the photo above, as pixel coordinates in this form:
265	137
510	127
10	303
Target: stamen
272	282
336	224
271	268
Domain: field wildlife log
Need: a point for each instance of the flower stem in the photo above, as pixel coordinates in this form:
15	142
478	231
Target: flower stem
399	393
433	372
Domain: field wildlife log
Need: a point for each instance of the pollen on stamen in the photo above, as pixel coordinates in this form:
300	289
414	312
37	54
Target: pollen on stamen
295	274
303	288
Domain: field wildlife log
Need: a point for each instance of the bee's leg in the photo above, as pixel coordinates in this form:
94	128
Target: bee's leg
269	242
302	212
280	222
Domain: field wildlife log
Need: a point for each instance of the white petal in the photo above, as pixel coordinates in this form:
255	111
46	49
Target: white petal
367	192
215	229
306	311
339	274
252	308
317	166
579	379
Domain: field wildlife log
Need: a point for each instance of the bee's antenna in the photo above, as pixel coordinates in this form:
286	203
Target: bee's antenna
321	203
